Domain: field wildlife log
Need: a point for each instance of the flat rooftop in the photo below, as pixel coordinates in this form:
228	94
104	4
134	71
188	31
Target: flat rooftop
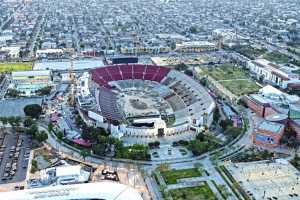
15	107
270	126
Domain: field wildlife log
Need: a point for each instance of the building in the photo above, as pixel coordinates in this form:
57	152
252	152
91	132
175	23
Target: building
46	53
28	82
78	64
270	101
275	106
101	190
268	134
149	96
145	50
64	175
12	52
273	74
195	46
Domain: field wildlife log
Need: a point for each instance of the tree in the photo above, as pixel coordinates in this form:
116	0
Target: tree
44	91
4	120
198	147
33	110
225	124
50	126
84	153
59	135
13	93
99	149
181	67
293	142
232	132
194	29
28	122
18	120
79	122
163	167
41	136
216	115
32	130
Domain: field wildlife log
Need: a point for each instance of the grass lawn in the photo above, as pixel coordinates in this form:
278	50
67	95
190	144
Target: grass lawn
241	87
171	176
250	51
19	66
202	192
233	78
225	72
276	57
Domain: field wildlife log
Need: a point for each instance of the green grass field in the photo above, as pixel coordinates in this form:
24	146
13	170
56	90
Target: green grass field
19	66
202	192
241	87
171	176
225	72
233	78
276	57
250	51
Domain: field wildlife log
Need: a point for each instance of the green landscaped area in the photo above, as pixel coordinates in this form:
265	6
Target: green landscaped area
249	51
276	57
202	192
241	87
17	66
225	72
234	78
171	176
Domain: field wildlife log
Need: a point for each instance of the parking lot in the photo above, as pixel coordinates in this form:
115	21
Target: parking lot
14	156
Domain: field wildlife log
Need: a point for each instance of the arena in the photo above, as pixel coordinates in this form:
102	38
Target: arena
149	102
92	191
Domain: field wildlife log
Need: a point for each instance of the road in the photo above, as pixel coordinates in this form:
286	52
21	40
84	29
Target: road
4	86
39	27
20	7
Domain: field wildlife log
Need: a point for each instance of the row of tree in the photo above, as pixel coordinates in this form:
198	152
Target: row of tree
105	145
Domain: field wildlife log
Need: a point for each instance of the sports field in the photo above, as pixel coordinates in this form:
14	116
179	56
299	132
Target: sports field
17	66
202	192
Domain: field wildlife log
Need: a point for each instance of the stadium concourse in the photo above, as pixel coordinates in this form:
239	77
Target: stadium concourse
146	103
95	191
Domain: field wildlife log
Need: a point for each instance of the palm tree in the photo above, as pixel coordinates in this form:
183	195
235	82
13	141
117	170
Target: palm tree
84	153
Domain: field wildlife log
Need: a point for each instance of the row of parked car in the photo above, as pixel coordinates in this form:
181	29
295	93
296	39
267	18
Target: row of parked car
12	163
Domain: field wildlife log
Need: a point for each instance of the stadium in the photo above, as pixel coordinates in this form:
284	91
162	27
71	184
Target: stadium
143	103
92	191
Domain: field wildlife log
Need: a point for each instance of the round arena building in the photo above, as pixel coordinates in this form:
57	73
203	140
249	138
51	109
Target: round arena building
143	103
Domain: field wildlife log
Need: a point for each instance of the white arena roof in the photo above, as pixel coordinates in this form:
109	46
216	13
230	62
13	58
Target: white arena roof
68	170
101	190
